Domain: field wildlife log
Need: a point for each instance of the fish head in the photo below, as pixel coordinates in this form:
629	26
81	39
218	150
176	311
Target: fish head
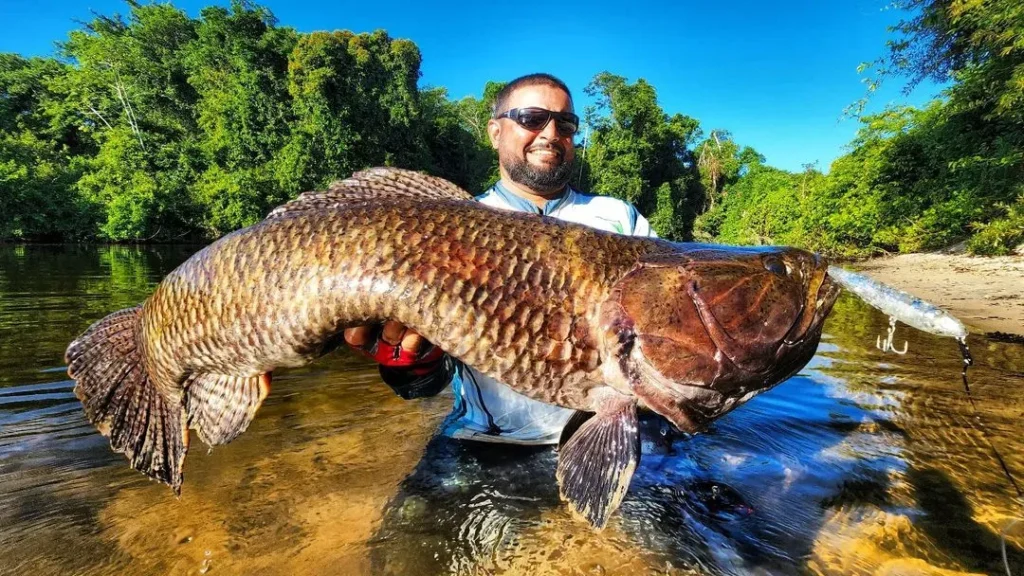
697	331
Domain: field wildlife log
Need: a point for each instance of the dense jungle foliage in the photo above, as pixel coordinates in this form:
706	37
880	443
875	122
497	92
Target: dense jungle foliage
162	127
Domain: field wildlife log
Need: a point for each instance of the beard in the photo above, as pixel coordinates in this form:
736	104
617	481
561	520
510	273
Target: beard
542	179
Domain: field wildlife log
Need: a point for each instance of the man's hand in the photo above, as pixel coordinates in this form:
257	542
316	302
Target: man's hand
393	333
403	346
409	364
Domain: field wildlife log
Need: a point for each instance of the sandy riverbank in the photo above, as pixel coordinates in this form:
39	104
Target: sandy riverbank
985	293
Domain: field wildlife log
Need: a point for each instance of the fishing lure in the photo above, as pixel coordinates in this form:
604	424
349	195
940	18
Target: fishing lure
901	306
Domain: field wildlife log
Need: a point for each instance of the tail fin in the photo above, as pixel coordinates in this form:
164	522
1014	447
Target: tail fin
111	380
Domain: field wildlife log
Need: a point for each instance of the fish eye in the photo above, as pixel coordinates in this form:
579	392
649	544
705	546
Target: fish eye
775	265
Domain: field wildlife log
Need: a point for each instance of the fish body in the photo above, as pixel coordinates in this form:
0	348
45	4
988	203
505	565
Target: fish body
598	322
507	293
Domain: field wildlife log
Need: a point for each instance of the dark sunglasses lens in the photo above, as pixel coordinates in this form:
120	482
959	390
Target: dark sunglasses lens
532	120
566	127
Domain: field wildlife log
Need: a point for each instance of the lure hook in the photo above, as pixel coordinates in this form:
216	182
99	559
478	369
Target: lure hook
886	345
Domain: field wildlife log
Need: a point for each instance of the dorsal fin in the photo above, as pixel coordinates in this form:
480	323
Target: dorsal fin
375	184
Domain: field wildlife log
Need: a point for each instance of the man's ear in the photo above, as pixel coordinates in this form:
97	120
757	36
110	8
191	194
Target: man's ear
493	132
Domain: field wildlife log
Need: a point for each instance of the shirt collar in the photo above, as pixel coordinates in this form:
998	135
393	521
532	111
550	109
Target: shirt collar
523	205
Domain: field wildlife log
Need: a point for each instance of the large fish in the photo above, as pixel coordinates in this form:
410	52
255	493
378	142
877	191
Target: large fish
594	321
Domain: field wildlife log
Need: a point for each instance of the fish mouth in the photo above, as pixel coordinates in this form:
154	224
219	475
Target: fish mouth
822	292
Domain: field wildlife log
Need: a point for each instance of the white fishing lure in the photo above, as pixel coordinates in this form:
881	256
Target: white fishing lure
904	307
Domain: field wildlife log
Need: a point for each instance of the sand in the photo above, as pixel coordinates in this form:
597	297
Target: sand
985	293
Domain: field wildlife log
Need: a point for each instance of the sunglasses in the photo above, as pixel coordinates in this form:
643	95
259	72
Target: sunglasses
535	119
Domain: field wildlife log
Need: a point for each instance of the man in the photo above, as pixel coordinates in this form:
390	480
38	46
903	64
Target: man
532	129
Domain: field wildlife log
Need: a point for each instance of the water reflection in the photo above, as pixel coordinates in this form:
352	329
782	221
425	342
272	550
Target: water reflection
862	464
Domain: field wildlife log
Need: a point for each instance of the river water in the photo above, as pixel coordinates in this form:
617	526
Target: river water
864	463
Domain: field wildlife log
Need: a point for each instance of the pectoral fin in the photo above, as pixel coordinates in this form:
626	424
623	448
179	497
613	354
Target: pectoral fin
597	462
578	418
221	407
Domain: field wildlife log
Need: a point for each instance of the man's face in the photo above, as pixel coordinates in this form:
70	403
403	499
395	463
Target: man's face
539	160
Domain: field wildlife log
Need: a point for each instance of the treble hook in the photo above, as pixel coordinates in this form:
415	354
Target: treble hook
886	345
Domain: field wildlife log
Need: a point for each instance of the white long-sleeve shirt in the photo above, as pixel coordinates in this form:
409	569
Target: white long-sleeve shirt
490	411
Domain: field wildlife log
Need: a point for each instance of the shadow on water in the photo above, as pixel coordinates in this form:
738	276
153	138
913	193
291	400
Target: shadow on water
949	521
864	463
464	505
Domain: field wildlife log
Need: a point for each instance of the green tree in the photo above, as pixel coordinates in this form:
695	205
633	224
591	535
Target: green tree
457	139
128	85
355	104
977	135
238	66
640	154
721	162
763	207
39	153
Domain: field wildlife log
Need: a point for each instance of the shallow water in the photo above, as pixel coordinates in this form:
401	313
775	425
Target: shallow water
864	463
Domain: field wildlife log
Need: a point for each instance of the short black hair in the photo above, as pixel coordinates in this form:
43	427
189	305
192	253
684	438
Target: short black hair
535	79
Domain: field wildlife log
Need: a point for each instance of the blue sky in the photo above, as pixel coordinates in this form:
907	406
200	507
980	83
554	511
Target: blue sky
777	76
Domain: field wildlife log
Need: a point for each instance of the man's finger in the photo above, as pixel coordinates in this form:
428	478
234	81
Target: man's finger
359	336
393	332
412	341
